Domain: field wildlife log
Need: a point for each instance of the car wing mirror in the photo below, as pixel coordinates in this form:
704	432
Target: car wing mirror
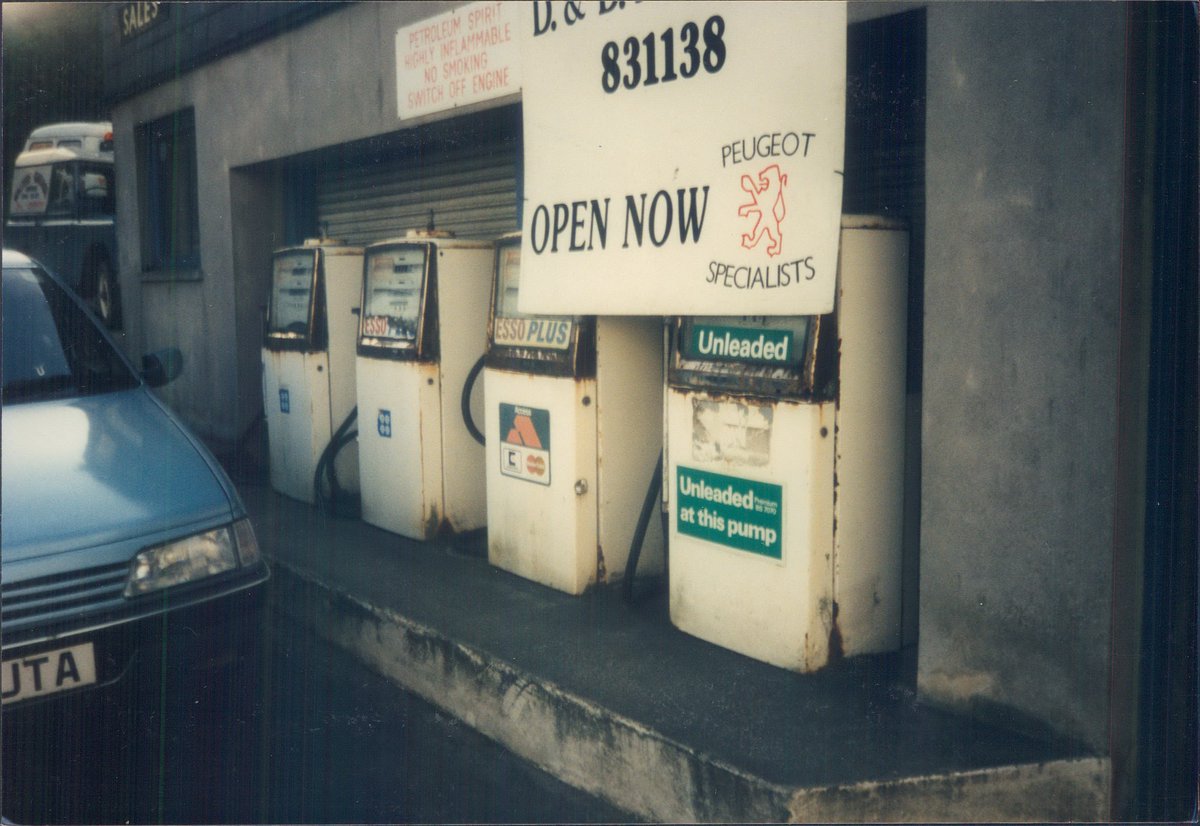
162	366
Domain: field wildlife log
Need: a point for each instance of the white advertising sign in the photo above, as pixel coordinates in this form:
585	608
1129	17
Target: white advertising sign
682	158
464	56
31	193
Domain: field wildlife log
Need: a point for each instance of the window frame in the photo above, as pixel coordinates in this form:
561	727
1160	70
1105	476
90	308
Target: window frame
166	158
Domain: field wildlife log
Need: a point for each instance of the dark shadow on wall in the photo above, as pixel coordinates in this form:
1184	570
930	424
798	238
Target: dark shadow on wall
885	175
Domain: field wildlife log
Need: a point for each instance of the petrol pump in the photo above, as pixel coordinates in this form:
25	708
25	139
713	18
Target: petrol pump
308	362
785	461
574	429
423	324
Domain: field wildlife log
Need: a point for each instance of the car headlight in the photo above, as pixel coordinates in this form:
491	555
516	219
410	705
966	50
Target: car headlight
247	542
192	558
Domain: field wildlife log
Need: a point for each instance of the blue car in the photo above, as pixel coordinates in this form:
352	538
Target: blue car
122	538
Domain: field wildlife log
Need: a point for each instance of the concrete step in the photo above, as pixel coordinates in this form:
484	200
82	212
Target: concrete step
612	700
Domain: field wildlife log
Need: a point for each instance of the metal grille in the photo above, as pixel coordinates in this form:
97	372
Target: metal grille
471	191
53	599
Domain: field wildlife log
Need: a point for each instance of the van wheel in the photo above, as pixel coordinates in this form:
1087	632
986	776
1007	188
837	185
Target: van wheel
104	294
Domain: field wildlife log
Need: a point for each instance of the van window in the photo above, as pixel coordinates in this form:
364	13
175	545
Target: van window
62	190
97	198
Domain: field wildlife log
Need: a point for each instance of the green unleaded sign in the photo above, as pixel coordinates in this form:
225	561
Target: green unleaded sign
710	341
738	513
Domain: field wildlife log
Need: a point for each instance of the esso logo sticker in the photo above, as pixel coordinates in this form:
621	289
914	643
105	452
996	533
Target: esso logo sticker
525	443
375	325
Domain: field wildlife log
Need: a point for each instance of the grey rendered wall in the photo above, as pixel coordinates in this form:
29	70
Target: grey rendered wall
1023	240
329	82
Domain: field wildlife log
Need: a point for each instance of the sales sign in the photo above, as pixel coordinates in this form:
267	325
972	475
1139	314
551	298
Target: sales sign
682	158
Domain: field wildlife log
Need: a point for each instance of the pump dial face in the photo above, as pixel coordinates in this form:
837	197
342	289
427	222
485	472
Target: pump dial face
395	284
291	292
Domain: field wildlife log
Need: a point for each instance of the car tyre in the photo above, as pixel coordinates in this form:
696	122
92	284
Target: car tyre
103	292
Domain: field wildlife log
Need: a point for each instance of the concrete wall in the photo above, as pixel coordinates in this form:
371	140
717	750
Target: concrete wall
329	82
1023	241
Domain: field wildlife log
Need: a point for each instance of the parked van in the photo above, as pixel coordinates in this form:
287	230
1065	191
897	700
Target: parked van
62	208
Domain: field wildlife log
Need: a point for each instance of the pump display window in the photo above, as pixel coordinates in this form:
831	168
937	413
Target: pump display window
291	293
394	289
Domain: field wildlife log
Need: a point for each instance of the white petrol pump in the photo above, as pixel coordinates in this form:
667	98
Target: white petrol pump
574	429
785	462
422	325
308	362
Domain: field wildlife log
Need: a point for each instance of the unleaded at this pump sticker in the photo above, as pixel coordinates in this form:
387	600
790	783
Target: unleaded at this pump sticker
743	514
525	443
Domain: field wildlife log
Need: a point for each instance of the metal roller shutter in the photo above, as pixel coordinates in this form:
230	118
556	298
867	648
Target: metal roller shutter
472	191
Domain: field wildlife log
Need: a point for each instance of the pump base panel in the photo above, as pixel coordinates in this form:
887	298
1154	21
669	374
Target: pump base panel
296	403
732	582
539	526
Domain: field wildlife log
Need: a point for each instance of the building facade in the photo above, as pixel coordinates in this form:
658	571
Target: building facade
1040	156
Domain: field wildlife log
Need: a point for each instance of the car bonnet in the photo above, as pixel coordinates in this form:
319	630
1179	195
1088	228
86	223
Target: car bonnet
91	471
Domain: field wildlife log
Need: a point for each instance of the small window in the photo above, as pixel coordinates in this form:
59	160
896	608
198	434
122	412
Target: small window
62	191
96	191
170	222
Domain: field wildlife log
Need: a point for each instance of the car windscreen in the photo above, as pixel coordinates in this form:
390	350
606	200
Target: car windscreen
52	349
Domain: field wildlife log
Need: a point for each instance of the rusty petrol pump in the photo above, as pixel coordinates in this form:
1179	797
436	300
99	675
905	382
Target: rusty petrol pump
422	325
573	429
308	363
785	455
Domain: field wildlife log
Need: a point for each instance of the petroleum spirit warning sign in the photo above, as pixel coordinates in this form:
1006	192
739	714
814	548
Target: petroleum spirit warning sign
467	55
682	158
525	443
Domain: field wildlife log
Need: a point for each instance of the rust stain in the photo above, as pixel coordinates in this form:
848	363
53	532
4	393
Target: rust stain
601	567
433	523
836	649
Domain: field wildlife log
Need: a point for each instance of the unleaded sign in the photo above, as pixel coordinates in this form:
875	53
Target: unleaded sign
743	514
682	158
720	343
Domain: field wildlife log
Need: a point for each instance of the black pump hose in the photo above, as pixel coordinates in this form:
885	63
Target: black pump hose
639	533
336	494
337	503
468	386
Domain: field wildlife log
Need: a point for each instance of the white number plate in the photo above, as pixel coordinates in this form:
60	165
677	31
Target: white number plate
48	672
